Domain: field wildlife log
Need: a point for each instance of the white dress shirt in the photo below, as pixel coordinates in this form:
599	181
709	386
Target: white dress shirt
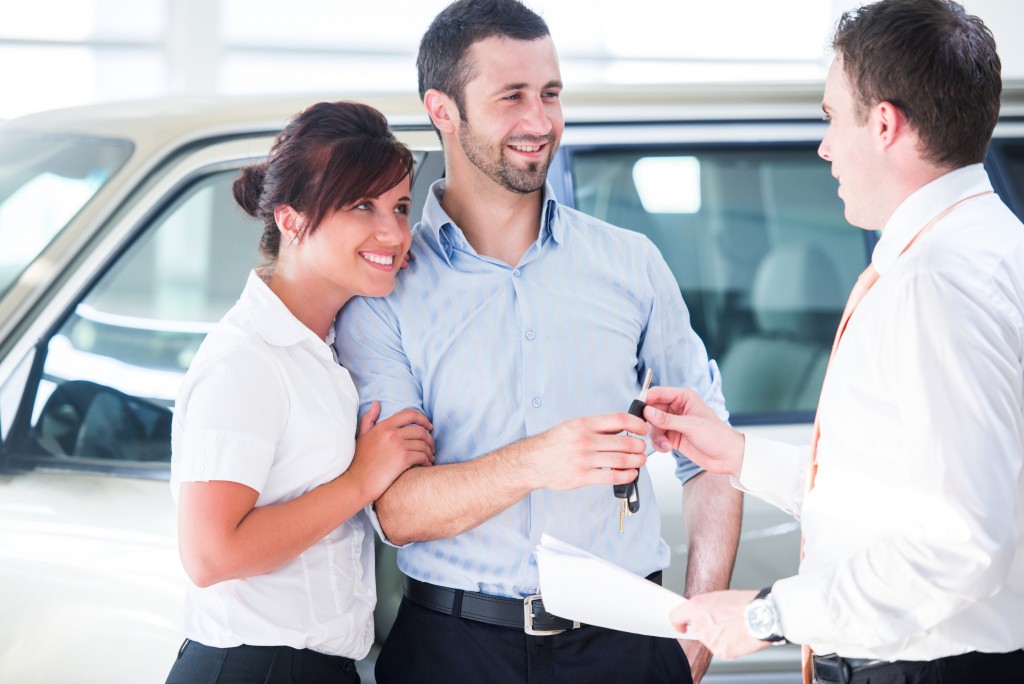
265	404
914	530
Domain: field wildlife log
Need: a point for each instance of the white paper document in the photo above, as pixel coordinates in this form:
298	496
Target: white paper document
577	585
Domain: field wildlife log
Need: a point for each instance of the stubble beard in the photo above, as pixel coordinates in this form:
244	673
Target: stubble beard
500	170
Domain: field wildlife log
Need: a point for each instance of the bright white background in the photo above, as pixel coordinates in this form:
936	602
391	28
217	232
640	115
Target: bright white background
66	52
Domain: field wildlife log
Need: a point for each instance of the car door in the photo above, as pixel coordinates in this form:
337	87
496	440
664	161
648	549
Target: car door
90	578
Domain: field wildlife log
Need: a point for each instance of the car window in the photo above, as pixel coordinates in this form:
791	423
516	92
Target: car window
113	367
757	241
44	182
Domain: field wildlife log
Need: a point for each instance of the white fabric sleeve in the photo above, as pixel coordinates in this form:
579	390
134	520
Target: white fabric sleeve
775	472
953	357
234	409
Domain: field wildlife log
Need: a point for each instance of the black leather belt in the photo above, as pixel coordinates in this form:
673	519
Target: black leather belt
834	669
527	614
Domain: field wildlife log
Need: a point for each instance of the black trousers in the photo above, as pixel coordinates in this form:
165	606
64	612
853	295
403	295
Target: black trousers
200	664
969	668
427	646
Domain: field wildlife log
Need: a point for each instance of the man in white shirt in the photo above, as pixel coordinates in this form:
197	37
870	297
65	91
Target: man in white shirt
911	497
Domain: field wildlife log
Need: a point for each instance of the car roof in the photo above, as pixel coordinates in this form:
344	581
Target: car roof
155	123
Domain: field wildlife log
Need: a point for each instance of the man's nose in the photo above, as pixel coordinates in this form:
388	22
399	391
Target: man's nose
824	149
538	119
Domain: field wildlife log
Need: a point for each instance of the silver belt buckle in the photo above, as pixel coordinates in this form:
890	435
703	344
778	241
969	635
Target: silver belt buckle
528	619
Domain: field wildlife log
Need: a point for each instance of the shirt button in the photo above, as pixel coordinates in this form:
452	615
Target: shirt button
516	272
530	334
536	402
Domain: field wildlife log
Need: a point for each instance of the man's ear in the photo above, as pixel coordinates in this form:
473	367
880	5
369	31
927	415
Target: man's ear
442	110
889	122
288	221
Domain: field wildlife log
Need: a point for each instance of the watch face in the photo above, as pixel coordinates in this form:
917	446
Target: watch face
761	620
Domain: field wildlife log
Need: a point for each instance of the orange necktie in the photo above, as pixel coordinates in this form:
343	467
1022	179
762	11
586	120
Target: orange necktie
868	278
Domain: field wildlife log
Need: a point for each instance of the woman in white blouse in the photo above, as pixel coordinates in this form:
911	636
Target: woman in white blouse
273	488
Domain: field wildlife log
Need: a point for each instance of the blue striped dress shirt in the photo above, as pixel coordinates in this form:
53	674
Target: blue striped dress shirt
493	353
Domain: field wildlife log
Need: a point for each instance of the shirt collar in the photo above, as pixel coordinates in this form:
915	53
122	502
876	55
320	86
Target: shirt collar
922	206
270	317
448	237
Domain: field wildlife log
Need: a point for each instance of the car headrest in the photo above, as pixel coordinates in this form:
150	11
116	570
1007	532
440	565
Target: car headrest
797	293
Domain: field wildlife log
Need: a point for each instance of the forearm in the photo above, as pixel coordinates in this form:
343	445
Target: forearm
712	511
214	548
446	500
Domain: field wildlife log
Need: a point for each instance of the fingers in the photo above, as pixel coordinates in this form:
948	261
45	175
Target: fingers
668	395
613	423
369	418
416	433
680	617
661	425
408	417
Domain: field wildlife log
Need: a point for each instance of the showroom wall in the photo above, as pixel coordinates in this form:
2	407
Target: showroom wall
67	52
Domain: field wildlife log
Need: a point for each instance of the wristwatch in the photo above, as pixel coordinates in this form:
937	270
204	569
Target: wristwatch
762	618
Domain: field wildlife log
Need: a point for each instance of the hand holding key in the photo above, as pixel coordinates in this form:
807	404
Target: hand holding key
585	451
629	494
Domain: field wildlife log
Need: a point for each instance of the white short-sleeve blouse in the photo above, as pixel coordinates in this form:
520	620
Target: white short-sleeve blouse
265	404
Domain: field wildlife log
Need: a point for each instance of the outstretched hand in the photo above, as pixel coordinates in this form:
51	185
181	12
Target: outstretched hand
681	420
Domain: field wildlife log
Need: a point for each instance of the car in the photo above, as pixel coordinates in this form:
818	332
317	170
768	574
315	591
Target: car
123	247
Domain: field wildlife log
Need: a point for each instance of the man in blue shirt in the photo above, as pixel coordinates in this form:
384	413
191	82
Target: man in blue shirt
522	329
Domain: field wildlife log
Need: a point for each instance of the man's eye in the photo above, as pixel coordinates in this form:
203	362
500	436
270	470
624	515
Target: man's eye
402	209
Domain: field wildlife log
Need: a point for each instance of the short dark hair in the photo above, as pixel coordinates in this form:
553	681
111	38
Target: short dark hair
442	64
328	157
933	61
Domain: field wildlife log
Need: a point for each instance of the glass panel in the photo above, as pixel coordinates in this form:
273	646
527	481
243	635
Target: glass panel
44	182
759	246
114	367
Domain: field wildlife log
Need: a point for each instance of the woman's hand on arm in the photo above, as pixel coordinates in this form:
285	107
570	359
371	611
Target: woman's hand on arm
387	449
223	535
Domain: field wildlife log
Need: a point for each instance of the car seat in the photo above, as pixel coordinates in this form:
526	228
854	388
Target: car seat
797	299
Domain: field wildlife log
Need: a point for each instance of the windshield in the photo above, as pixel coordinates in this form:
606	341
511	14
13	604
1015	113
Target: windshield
45	180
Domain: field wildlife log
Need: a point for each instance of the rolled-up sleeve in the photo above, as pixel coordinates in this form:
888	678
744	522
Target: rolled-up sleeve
368	344
671	347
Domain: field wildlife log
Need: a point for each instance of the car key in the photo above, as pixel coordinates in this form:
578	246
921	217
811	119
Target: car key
629	494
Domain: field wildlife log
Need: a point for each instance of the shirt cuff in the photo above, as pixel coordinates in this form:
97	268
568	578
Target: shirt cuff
771	471
804	610
372	515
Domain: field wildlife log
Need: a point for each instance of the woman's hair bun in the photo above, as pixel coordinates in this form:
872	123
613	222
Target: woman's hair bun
248	188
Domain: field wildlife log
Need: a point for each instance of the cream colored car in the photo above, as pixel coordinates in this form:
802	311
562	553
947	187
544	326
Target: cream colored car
121	247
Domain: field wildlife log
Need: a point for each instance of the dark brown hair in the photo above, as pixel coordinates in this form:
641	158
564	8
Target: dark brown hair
933	61
328	157
441	63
